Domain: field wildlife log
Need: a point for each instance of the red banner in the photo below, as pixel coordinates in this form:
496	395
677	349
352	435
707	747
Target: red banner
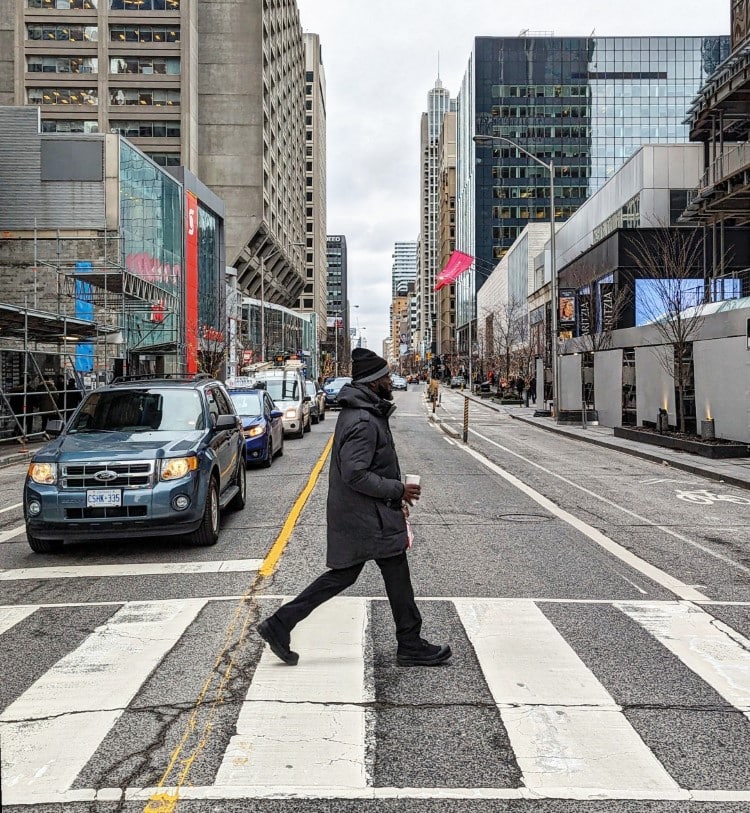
191	282
456	265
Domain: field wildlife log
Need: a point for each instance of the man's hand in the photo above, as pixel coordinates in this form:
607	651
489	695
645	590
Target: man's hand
412	492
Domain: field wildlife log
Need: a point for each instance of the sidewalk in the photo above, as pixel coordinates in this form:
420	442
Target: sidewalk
735	471
15	452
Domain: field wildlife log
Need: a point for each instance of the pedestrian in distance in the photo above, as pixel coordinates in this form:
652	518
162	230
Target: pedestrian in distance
366	518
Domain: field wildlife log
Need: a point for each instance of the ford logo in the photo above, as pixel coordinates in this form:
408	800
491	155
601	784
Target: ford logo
105	476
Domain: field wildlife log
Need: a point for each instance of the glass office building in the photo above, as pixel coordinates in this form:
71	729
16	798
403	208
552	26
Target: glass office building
584	103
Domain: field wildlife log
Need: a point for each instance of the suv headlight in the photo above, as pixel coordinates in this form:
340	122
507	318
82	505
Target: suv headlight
254	431
43	473
173	468
290	413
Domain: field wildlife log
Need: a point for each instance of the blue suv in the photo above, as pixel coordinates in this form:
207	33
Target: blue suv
140	457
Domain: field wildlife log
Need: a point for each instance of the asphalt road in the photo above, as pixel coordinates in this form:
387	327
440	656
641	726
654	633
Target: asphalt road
597	607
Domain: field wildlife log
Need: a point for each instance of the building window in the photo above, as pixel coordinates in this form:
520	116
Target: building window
35	63
146	129
168	66
165	159
69	126
153	97
79	5
144	5
61	96
62	33
144	33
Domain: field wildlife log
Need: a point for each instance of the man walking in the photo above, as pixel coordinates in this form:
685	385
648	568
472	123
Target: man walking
366	515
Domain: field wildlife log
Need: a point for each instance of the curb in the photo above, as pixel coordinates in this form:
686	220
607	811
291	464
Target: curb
12	459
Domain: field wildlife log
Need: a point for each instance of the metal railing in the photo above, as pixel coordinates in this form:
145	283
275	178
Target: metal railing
725	165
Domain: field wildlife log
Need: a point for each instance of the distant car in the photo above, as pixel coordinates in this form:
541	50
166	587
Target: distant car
317	401
457	381
262	425
398	382
139	458
287	388
332	389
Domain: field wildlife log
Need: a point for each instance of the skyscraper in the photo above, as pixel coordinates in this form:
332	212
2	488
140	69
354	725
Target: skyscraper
404	269
585	103
438	104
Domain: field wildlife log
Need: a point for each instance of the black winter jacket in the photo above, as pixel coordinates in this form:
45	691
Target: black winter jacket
364	514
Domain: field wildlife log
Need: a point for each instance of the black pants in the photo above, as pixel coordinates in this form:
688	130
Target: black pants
395	571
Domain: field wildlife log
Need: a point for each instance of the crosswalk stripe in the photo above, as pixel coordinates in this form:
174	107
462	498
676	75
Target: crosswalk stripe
10	616
714	651
134	569
565	729
50	732
286	734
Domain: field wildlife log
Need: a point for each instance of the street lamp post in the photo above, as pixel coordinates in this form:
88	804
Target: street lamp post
488	140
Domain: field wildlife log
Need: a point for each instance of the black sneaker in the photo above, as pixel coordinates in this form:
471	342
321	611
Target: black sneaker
278	640
423	654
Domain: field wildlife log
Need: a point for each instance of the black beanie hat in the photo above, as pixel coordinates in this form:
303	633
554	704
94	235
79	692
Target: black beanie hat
367	366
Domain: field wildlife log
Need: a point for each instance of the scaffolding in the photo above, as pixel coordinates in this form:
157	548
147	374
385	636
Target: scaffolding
100	307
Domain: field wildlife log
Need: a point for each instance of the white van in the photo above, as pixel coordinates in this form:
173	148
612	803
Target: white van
287	388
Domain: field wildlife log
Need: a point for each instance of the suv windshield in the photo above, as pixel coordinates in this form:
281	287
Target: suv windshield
144	410
283	389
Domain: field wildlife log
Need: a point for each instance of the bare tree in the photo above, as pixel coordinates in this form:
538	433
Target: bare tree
504	334
672	261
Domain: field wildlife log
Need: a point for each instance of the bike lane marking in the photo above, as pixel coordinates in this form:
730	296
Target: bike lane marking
697	545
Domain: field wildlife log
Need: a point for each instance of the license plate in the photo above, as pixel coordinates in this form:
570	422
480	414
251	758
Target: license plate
104	498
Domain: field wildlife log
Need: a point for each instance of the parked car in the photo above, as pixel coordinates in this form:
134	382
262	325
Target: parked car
287	388
262	425
332	390
398	382
457	381
139	458
317	401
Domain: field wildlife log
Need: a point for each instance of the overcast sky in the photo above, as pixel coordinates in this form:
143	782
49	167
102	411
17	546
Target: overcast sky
381	60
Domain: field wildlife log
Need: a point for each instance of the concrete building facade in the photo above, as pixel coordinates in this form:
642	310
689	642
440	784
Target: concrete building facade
215	86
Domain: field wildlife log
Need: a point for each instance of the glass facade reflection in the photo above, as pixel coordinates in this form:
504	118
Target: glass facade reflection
152	244
585	104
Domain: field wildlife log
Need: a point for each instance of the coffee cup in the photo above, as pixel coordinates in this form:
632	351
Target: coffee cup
411	479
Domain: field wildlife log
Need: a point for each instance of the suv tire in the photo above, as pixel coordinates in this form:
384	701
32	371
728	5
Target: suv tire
44	545
237	503
207	533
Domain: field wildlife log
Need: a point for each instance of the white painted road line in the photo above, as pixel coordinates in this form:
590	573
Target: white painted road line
567	732
715	652
657	575
286	734
51	731
134	569
12	533
10	616
11	507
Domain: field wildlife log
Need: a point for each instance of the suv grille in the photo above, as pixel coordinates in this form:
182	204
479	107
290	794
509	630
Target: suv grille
128	475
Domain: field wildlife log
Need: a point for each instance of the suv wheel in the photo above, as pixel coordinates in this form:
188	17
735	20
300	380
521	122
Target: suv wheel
44	545
268	462
237	503
208	532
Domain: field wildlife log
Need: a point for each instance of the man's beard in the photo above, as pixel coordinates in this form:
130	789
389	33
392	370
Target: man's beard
384	392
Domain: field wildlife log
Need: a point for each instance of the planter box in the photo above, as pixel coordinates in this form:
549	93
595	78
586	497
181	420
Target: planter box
714	450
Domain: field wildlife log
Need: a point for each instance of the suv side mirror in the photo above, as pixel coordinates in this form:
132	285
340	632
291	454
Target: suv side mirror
276	413
307	398
54	428
226	422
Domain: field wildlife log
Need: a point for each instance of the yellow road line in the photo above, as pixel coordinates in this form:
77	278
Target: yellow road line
165	800
273	556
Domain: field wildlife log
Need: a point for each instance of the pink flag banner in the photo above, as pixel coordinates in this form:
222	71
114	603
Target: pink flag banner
456	265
